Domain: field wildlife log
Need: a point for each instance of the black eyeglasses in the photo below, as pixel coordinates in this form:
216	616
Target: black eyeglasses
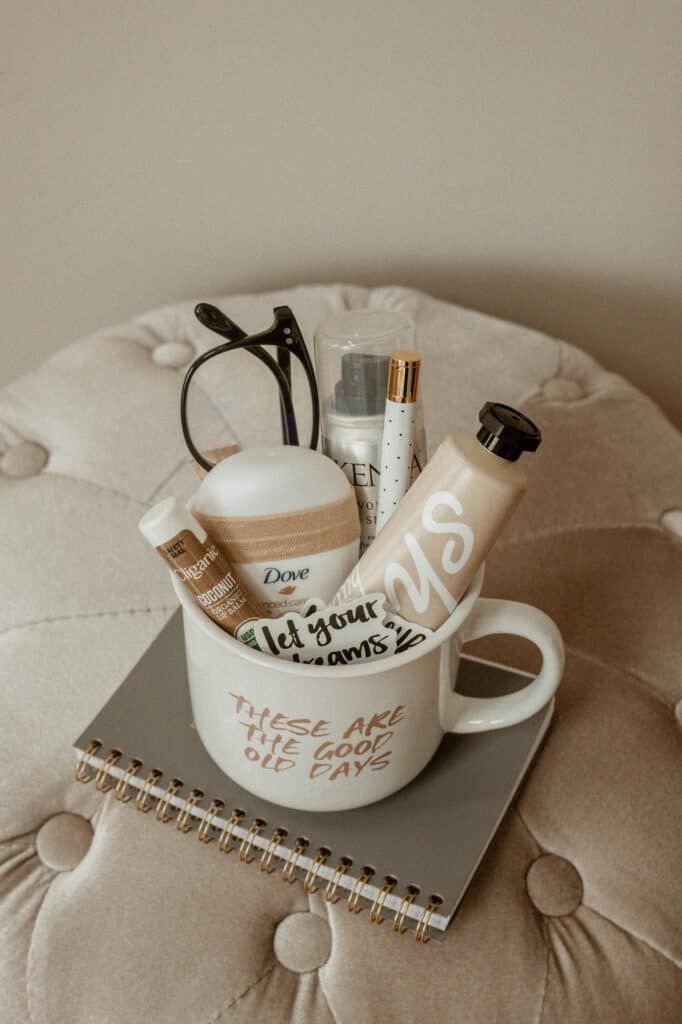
286	337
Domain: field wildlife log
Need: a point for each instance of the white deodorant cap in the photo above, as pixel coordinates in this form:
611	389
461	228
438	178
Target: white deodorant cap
270	481
166	520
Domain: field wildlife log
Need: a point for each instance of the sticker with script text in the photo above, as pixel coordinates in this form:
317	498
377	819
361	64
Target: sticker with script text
362	629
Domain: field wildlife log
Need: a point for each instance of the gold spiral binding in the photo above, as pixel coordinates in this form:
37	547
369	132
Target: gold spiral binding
81	773
192	800
204	830
356	894
289	869
226	834
256	828
333	884
266	860
422	930
102	776
323	854
121	791
172	789
411	893
387	888
142	802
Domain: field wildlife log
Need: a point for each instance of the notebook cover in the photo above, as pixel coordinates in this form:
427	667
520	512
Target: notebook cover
432	834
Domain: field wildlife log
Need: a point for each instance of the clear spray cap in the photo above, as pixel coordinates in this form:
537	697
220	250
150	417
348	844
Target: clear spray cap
352	352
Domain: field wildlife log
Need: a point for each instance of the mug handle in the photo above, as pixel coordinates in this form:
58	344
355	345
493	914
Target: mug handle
475	714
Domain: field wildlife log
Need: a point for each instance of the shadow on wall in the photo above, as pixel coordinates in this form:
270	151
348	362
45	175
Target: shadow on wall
597	313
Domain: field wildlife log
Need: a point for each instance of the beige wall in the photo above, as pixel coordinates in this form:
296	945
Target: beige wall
522	158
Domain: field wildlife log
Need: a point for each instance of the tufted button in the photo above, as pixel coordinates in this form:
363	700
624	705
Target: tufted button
173	354
672	520
25	459
562	389
303	942
554	886
63	841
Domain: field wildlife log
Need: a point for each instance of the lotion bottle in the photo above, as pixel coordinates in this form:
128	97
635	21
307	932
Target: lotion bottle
441	532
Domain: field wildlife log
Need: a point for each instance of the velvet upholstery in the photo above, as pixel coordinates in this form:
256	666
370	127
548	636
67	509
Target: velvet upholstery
576	912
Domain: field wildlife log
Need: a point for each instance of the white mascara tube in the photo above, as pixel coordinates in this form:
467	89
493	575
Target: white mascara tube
400	432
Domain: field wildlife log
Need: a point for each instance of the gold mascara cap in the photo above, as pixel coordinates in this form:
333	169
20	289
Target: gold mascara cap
403	376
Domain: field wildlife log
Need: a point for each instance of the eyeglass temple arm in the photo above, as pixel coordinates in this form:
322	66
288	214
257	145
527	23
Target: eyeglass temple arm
284	363
259	353
215	320
287	335
218	321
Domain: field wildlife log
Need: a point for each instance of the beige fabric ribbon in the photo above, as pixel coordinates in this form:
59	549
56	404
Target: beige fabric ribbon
214	455
286	535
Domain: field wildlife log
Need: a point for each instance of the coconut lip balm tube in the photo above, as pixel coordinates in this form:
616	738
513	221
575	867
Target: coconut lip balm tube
426	556
191	555
400	432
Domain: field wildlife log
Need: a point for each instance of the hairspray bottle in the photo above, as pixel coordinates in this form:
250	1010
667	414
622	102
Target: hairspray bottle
352	353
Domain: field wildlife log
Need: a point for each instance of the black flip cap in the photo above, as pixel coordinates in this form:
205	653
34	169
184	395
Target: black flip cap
506	432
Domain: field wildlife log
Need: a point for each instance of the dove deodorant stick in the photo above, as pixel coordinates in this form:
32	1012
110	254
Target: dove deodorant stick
286	518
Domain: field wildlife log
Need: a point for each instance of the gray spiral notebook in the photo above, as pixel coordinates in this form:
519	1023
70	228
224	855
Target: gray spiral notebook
407	860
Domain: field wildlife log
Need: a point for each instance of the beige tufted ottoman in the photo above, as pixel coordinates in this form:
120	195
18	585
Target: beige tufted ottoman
576	913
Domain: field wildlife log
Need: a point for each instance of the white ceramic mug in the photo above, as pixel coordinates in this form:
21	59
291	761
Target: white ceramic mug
323	738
